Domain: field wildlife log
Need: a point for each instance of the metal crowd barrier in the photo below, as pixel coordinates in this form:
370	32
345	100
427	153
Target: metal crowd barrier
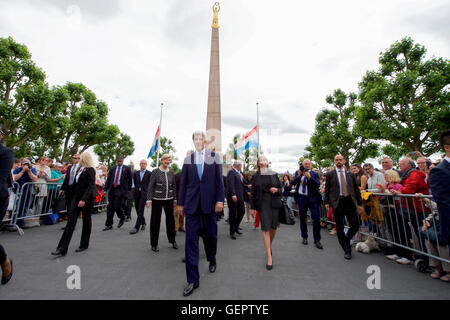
33	201
398	221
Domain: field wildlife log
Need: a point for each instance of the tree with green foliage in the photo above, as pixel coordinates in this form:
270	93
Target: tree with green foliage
406	101
120	145
165	147
27	102
335	133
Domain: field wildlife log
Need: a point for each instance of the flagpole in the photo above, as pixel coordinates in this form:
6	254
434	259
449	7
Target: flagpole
257	125
159	136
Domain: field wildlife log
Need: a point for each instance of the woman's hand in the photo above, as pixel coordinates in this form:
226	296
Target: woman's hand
253	213
148	204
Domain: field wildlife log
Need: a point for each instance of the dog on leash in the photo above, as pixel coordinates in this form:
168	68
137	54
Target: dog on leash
367	246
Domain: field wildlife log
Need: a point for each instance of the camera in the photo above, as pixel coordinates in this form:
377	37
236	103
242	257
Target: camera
302	168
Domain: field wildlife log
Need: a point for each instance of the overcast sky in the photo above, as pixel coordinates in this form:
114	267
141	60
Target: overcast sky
287	55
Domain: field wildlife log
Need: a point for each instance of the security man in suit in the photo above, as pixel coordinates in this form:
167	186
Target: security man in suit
68	186
201	196
141	180
343	195
307	191
117	186
235	198
440	189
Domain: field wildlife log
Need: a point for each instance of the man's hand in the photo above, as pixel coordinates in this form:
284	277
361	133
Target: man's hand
234	199
60	192
380	187
81	204
273	190
148	204
307	175
174	203
360	209
180	210
253	213
219	207
327	207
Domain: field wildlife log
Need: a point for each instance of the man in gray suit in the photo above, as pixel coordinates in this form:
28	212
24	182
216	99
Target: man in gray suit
343	195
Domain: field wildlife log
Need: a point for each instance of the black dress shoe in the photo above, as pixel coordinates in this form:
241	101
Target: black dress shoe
181	230
190	288
143	227
183	260
174	245
238	232
318	244
269	266
134	231
232	236
58	253
6	279
239	228
155	248
121	222
107	228
348	255
212	267
305	241
80	249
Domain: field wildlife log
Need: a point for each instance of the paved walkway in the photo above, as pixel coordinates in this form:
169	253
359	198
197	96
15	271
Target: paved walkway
122	266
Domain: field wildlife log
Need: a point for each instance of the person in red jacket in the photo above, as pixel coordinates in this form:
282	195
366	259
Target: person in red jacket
413	182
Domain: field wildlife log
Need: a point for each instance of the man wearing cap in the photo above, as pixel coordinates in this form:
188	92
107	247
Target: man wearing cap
23	174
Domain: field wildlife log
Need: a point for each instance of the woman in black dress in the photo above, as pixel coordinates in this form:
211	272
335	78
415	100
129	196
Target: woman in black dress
266	199
83	200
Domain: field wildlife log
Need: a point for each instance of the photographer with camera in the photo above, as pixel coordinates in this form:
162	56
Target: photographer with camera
307	191
23	174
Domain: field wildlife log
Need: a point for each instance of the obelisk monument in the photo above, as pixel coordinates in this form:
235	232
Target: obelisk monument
213	117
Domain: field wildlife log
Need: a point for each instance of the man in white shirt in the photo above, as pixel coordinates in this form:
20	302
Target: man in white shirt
375	177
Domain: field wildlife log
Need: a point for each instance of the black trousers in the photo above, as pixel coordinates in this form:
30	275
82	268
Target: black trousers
155	221
236	213
73	214
3	207
139	203
346	209
127	205
115	201
3	255
399	229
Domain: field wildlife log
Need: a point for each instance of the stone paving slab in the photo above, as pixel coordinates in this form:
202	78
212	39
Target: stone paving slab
120	266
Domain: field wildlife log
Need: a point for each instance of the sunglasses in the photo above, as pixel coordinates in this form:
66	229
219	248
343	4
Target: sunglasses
75	158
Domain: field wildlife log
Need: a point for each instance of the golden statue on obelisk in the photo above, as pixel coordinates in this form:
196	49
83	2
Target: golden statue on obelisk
213	117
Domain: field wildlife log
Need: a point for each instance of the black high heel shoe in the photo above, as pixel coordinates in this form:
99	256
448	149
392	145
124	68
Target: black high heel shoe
269	266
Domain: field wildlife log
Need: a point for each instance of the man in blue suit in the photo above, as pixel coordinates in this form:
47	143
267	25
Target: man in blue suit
235	198
200	197
440	189
307	190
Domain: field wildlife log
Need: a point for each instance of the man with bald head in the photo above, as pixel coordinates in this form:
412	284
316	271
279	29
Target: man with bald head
343	195
307	191
141	179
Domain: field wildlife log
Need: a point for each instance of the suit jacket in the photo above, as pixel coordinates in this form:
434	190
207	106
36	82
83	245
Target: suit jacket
68	190
312	185
141	184
235	186
257	191
85	188
332	190
440	188
125	179
6	163
208	191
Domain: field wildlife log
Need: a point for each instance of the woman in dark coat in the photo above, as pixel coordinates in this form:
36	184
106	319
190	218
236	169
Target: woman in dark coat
266	199
83	200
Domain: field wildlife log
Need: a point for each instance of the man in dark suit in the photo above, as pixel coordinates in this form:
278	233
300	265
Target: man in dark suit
6	163
440	189
68	186
141	180
201	196
235	198
117	186
307	191
343	195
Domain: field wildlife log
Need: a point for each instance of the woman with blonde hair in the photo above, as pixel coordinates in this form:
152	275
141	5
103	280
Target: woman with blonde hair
162	193
266	200
83	200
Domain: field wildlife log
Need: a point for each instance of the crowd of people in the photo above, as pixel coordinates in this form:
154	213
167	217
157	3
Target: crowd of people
193	201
